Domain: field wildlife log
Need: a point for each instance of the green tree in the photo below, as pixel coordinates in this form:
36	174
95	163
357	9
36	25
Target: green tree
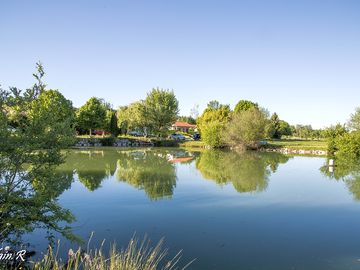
244	105
161	108
35	125
331	134
285	129
354	122
133	117
274	127
92	115
213	105
111	124
245	129
211	124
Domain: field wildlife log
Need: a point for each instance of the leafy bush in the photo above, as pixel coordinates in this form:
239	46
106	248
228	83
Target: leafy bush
212	122
245	129
165	143
347	144
107	141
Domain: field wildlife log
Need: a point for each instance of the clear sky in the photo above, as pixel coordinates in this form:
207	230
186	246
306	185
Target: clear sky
300	59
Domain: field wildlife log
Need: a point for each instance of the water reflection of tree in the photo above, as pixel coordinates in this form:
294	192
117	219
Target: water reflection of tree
148	170
248	171
92	167
346	170
29	202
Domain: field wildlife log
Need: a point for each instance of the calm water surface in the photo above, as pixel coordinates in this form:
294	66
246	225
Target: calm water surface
227	210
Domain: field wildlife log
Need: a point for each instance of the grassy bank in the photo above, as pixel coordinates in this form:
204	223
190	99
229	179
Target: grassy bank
298	144
192	144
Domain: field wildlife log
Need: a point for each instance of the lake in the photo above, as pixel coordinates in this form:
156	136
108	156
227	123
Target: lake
227	210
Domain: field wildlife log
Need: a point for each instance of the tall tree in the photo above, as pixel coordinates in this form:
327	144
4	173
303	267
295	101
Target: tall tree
35	125
92	115
133	117
273	128
112	122
213	105
244	105
162	109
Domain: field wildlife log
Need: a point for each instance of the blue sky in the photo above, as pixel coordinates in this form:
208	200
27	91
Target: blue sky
300	59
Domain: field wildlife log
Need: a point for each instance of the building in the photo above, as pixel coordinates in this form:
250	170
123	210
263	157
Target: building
183	126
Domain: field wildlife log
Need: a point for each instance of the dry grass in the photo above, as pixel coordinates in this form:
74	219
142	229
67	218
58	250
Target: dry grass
138	255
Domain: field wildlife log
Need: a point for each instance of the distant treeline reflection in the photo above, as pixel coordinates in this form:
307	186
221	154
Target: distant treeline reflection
154	171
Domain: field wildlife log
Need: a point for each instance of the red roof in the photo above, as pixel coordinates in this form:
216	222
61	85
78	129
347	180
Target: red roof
181	159
183	124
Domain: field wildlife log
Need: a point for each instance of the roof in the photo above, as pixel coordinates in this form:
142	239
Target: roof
181	159
183	124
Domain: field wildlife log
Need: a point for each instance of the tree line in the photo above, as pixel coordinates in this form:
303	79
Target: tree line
243	126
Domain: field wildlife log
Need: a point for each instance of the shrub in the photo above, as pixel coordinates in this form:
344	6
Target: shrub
165	143
107	141
347	144
245	129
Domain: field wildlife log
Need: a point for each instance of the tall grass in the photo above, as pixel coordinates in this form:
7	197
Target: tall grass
138	255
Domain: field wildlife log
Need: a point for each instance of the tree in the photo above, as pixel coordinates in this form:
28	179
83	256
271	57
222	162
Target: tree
213	105
35	125
212	122
133	117
92	115
273	129
244	105
284	128
162	108
111	124
245	129
332	134
354	122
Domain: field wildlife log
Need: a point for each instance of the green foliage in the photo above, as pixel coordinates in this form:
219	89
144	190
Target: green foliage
285	129
245	129
133	117
354	122
148	171
165	143
212	122
35	125
331	134
347	145
347	169
244	105
161	108
277	128
111	124
92	115
213	105
303	131
248	171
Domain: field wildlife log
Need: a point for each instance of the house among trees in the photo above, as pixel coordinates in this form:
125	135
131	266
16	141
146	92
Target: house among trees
183	126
